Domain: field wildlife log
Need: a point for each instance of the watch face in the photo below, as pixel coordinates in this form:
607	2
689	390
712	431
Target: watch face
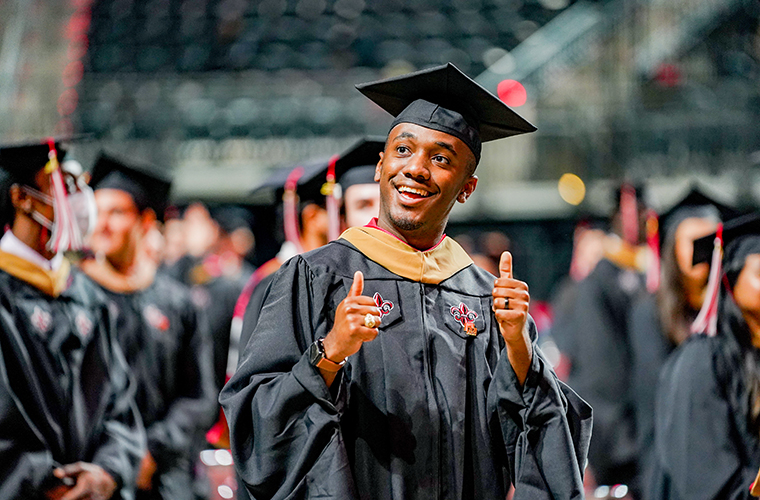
315	355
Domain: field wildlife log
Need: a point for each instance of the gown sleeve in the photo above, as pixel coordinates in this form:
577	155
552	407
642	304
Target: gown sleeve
284	421
698	447
194	408
545	428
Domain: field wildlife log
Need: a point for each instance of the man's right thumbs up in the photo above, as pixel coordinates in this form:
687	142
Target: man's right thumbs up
356	320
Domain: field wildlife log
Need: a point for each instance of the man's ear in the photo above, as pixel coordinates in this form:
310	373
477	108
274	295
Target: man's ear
379	167
20	200
147	220
468	188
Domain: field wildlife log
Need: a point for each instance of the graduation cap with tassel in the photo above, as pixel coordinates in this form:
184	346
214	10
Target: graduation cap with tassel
736	236
22	162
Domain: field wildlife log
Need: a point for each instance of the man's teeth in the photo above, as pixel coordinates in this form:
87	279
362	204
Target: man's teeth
418	192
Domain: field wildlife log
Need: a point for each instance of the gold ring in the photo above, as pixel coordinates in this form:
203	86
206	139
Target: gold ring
369	321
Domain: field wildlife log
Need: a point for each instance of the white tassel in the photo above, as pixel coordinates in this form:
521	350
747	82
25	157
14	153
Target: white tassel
66	234
707	319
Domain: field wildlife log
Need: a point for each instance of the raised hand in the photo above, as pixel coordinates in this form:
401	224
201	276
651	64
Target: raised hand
511	301
356	321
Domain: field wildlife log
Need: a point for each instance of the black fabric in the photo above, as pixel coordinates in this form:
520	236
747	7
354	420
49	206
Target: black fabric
398	422
702	445
65	394
650	349
168	349
600	356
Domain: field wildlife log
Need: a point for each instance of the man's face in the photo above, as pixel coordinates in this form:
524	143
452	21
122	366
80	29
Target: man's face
422	172
362	203
118	227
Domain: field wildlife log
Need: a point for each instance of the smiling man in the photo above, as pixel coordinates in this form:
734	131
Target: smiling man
385	364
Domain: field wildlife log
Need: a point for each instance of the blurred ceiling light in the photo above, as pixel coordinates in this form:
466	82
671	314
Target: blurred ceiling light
512	93
571	189
493	55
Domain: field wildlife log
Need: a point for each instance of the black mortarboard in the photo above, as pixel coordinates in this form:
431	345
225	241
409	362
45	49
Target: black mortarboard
309	184
364	152
147	188
694	204
741	236
21	162
445	99
359	162
230	217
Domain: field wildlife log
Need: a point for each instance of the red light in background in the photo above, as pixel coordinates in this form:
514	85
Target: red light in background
512	93
67	102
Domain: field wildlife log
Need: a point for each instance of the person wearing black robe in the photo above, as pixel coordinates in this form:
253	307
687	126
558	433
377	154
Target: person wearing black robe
68	420
660	321
707	432
379	370
164	338
596	339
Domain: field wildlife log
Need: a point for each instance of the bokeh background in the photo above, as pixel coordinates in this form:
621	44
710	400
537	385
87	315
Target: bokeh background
218	92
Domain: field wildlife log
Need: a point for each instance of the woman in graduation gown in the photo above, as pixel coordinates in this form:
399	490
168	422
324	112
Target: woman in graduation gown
707	421
431	403
660	321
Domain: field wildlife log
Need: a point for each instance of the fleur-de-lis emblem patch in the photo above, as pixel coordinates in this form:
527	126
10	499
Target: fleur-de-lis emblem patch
385	306
84	325
41	319
156	318
466	318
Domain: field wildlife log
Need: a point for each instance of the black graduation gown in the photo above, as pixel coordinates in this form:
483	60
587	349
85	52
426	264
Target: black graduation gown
65	393
168	349
425	411
702	444
600	358
650	349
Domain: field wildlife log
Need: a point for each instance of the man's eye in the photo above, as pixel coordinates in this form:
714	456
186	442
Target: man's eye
402	149
440	159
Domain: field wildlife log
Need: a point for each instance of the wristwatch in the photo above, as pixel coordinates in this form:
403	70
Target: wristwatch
318	359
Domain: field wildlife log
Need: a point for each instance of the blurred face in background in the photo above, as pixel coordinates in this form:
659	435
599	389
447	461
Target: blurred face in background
747	295
201	232
694	277
362	203
119	229
174	240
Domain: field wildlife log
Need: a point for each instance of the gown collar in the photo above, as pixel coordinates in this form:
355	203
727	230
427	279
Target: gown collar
50	282
430	266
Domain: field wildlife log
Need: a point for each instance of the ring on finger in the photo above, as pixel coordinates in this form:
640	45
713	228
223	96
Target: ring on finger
370	321
506	303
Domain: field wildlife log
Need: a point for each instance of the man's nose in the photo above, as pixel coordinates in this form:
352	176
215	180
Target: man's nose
418	167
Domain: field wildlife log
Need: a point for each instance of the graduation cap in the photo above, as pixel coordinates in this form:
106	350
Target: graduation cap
21	162
445	99
360	161
147	188
740	237
695	204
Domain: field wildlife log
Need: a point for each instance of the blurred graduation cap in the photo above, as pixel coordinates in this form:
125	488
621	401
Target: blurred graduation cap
309	187
148	188
360	160
695	204
21	162
739	237
231	217
443	98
